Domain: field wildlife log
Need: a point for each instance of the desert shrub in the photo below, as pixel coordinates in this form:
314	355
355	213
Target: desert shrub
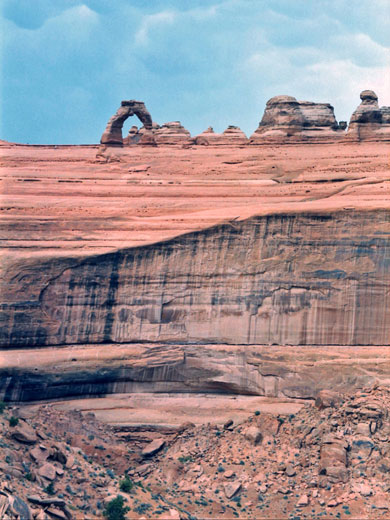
13	421
50	489
126	485
185	458
115	509
2	406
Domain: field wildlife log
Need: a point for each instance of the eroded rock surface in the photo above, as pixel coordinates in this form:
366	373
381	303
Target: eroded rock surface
286	119
171	133
113	132
369	121
259	281
233	135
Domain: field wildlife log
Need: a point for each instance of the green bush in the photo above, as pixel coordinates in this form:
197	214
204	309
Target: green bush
115	509
2	406
126	485
185	458
13	421
50	489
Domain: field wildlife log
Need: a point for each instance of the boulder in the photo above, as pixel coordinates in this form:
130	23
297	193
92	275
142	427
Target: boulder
153	447
231	488
287	120
327	399
39	454
48	471
19	508
303	501
333	459
24	433
254	435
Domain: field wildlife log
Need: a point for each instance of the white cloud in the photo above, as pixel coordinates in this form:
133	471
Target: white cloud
150	23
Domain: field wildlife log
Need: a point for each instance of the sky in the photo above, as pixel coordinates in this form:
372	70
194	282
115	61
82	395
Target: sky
67	64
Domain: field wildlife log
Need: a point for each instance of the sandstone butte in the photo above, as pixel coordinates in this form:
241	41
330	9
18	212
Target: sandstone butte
214	264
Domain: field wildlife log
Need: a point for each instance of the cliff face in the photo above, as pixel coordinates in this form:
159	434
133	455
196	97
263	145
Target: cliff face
302	279
369	121
287	120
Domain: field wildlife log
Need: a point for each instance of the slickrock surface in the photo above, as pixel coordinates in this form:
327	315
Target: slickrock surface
306	271
369	121
325	461
287	120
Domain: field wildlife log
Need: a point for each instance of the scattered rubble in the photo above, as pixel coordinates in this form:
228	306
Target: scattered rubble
328	460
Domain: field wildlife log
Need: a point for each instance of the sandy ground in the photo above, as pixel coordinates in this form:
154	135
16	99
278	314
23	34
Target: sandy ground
171	410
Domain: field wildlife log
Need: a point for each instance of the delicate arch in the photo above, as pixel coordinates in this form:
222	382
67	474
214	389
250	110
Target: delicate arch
113	132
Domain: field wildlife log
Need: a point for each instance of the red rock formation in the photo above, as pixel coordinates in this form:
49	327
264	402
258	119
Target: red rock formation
132	137
229	284
172	133
287	120
113	132
369	122
233	135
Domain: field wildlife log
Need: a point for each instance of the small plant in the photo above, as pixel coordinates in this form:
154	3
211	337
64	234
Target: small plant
142	508
257	412
50	489
13	421
115	509
2	406
126	485
28	476
184	459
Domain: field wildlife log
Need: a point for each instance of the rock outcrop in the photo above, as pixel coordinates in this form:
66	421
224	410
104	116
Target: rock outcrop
303	279
287	120
233	135
172	133
113	132
132	137
369	121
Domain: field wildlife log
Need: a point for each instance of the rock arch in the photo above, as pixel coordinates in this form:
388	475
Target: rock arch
112	135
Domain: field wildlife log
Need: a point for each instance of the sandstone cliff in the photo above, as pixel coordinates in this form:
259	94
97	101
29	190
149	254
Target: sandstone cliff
303	279
287	120
369	121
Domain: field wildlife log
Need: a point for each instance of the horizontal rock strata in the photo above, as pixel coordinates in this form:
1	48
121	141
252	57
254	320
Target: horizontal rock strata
287	120
303	279
281	372
171	133
233	135
369	121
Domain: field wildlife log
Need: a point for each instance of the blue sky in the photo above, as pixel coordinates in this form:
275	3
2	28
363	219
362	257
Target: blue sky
67	64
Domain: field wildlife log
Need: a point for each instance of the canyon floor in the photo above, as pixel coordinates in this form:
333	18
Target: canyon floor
76	201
